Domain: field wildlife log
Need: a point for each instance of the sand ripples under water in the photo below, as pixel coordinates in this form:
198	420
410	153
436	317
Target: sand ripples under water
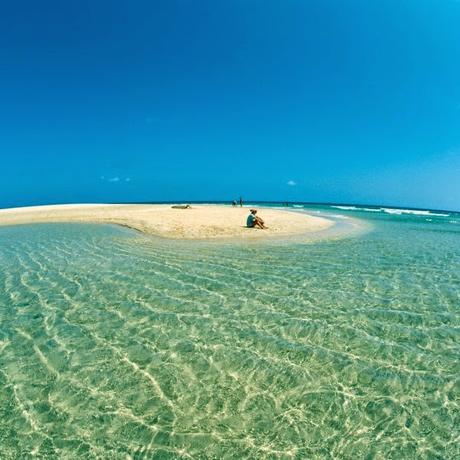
115	345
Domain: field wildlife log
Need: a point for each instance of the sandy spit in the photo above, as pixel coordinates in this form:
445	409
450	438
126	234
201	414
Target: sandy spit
199	222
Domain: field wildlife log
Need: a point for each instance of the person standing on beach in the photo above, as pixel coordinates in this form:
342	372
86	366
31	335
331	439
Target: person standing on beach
241	202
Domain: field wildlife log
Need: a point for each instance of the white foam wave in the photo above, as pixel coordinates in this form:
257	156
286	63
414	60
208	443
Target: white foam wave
417	212
347	208
395	211
355	208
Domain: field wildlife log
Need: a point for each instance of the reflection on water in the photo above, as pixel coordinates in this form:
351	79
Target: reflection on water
115	345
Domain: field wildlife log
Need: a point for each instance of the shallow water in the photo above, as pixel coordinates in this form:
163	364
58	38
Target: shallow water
115	345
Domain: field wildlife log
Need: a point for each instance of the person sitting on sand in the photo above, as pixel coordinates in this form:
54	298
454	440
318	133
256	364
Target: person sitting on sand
255	221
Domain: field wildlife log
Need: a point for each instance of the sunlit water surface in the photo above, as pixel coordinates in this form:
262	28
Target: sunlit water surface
115	345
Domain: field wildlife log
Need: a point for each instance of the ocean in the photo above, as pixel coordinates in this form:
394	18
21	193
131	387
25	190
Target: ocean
118	345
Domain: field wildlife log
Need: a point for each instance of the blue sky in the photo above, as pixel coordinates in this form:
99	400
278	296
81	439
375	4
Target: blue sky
344	101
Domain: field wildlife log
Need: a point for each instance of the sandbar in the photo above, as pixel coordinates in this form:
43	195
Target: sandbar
199	222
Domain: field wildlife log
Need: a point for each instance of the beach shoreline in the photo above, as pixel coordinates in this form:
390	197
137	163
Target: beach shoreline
198	222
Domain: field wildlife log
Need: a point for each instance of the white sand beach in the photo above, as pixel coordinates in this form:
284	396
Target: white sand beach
199	222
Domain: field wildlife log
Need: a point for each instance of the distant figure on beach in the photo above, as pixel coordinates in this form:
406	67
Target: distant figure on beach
181	206
234	203
255	221
241	202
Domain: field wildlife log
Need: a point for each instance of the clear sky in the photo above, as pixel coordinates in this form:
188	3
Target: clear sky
345	101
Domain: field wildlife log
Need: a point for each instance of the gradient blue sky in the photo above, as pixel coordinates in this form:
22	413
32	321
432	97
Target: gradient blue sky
346	101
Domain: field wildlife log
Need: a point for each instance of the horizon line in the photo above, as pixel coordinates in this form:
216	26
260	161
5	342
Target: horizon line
327	203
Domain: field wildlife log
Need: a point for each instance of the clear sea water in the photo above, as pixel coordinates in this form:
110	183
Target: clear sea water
114	345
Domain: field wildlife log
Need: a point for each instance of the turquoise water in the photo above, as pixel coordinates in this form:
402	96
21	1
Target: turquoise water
115	345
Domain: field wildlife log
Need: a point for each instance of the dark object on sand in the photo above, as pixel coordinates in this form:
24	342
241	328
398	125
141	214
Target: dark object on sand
181	206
